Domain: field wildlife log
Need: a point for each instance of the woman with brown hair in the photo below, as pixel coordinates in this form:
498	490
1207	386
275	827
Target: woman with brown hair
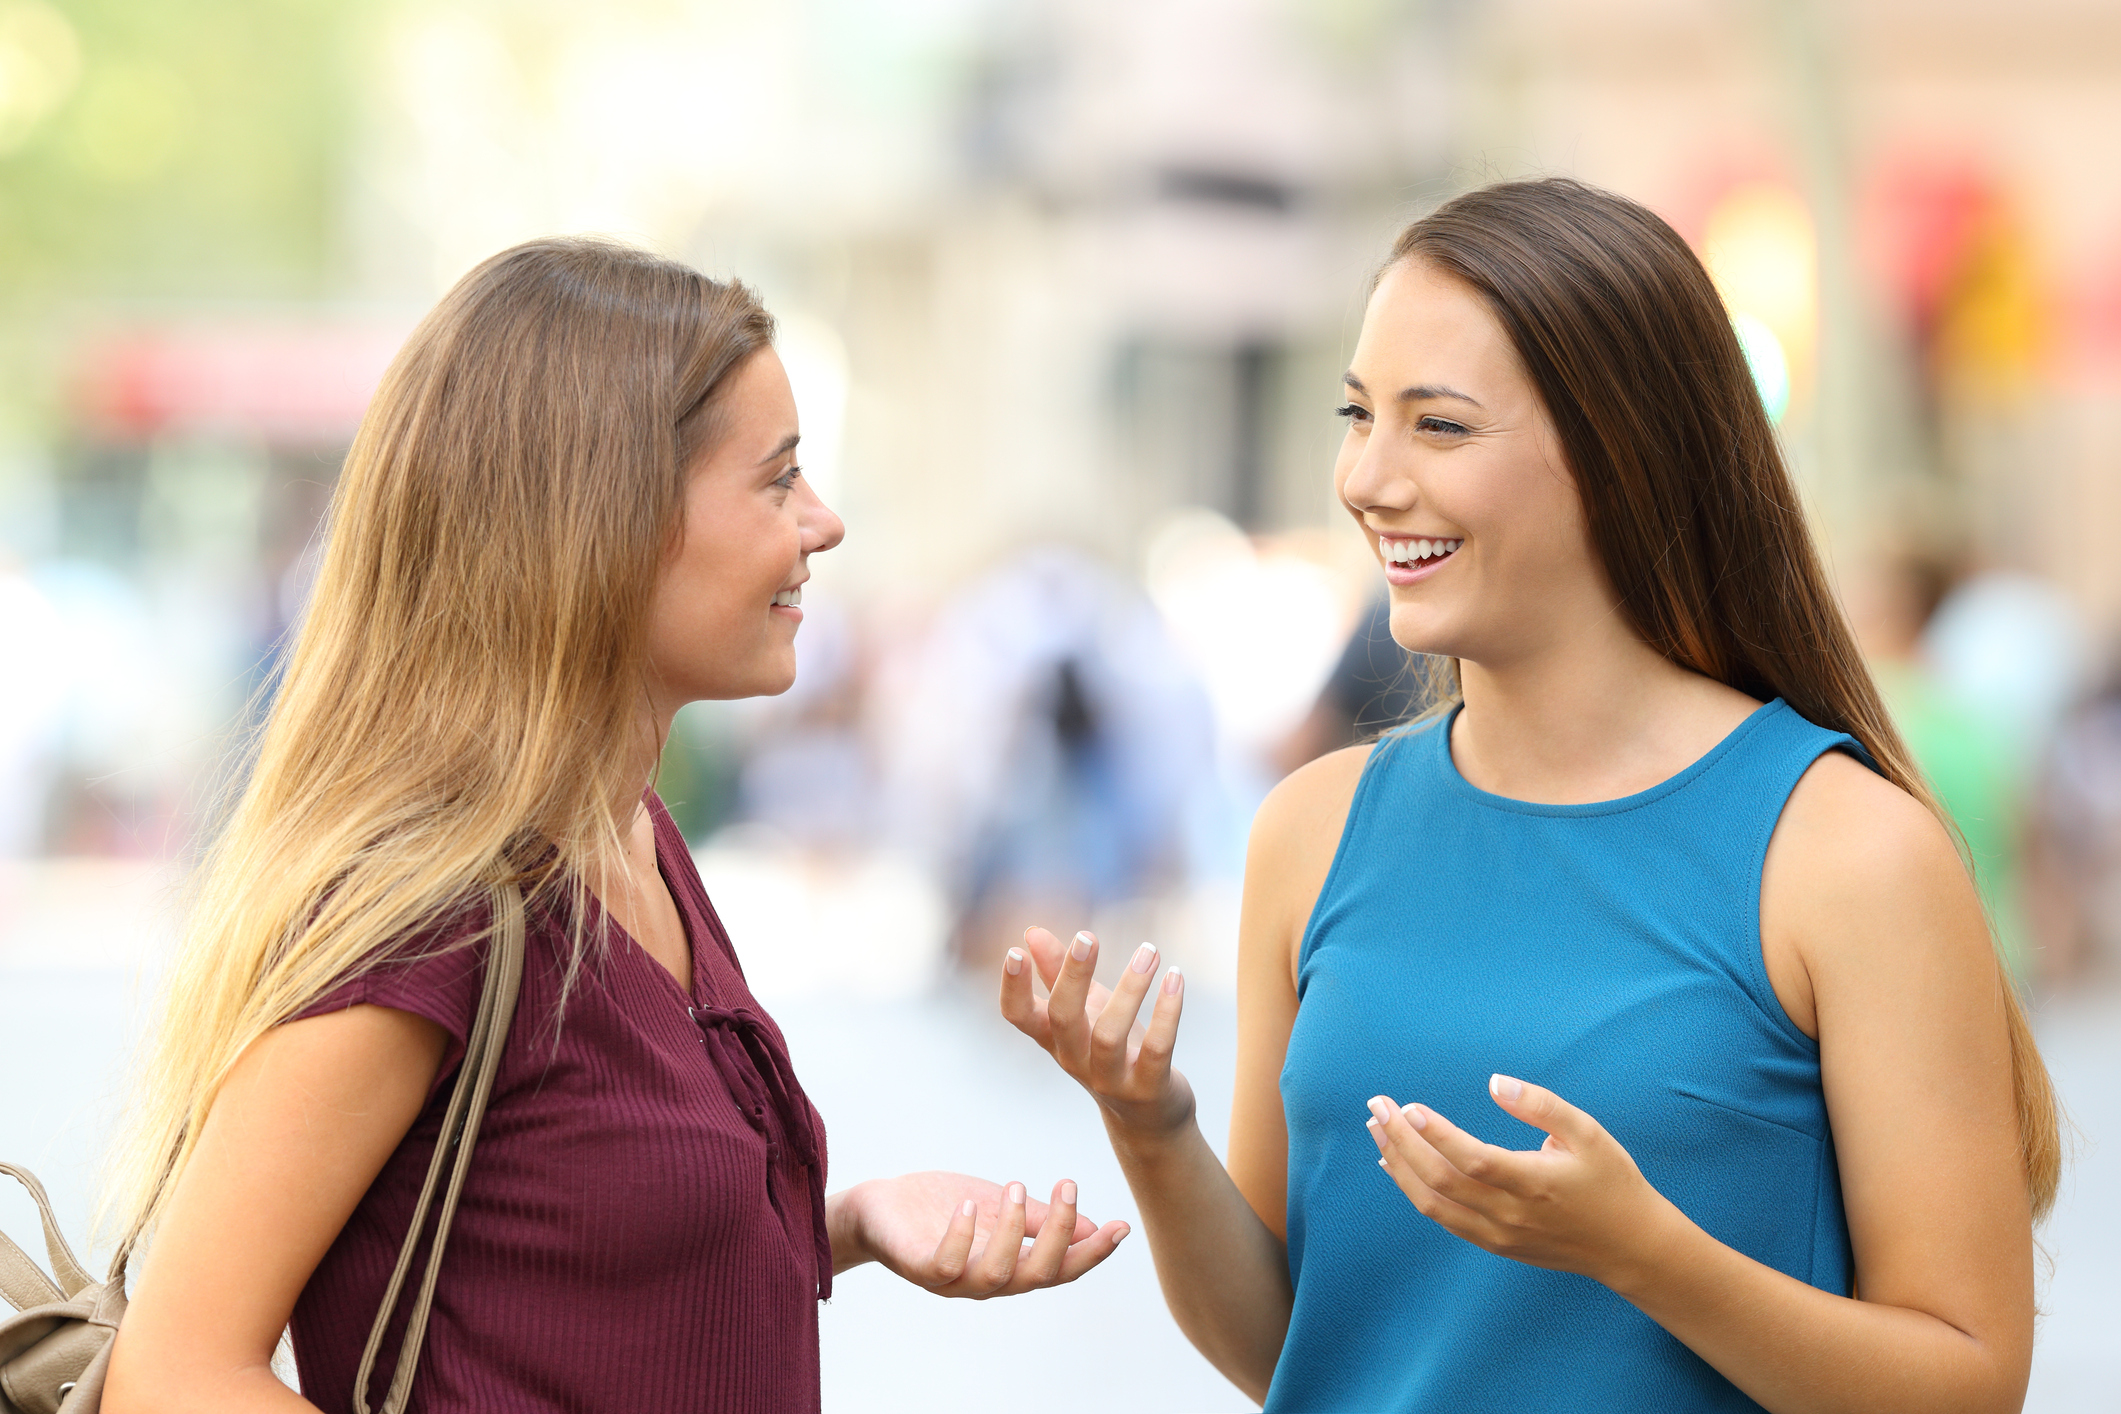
573	507
1657	880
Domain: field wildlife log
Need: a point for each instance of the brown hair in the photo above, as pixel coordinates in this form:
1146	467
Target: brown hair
462	705
1695	518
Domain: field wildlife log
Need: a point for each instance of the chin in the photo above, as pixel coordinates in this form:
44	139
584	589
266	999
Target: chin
767	679
777	679
1420	632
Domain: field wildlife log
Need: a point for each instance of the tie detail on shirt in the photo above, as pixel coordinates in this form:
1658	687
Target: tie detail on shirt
755	1067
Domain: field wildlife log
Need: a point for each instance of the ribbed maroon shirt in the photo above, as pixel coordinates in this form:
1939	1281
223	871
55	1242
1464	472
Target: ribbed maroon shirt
639	1229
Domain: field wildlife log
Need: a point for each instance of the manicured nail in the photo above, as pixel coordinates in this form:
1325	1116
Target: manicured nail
1016	1194
1383	1165
1381	1108
966	1211
1144	958
1068	1194
1014	962
1416	1116
1173	981
1502	1087
1080	949
1370	1123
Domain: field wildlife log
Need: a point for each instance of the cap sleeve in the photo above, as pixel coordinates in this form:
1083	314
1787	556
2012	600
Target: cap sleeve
433	972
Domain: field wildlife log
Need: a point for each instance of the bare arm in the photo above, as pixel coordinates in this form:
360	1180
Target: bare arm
304	1124
1217	1234
1875	941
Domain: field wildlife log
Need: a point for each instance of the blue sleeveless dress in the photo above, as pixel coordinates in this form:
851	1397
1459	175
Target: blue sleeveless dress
1610	952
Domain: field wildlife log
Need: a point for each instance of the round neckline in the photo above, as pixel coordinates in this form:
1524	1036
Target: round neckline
1676	782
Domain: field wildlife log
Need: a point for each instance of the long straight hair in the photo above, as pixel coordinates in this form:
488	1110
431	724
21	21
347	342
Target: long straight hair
462	708
1696	521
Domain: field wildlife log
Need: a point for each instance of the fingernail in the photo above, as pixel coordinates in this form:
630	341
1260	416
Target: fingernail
1417	1116
1016	1194
1381	1107
1080	948
1121	1236
1172	982
1068	1194
966	1211
1014	962
1144	958
1502	1087
1370	1123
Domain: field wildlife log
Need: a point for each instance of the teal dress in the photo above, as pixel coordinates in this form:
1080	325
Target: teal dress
1610	952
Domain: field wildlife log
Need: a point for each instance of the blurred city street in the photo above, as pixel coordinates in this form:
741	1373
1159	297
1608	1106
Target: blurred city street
933	1078
1064	290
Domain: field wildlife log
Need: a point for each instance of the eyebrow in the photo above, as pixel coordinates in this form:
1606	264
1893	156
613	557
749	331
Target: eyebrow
787	445
1417	393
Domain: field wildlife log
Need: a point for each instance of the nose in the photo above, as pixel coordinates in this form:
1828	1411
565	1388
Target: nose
1376	480
822	527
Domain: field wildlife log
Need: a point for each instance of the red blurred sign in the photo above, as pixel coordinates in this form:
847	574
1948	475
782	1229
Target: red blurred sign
1923	215
299	383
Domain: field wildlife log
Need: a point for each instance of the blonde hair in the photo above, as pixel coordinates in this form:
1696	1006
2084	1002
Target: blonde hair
463	705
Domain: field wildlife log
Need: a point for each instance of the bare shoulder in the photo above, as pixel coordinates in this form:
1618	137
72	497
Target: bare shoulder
1847	832
1862	883
1294	836
1311	801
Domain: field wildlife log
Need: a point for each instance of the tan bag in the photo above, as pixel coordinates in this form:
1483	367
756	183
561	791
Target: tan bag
55	1351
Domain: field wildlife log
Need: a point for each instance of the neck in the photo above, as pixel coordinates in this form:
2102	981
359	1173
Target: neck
1595	715
651	732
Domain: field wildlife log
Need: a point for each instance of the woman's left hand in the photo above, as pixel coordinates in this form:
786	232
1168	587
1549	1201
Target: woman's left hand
963	1236
1575	1204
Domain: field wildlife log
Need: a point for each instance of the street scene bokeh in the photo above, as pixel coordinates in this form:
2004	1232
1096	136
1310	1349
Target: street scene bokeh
1064	289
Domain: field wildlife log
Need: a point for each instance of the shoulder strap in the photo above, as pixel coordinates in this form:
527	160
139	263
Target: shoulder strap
21	1283
460	1130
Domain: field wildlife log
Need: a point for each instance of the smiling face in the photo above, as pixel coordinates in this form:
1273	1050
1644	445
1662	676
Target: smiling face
725	612
1452	467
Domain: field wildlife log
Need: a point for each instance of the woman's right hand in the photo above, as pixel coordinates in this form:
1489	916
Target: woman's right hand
1094	1033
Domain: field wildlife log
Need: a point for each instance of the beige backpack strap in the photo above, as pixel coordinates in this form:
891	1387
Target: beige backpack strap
21	1281
460	1130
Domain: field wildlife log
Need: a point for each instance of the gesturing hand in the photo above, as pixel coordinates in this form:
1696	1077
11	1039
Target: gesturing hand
1093	1032
962	1236
1575	1204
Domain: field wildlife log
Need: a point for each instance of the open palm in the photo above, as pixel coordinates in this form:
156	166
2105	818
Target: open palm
962	1236
1095	1033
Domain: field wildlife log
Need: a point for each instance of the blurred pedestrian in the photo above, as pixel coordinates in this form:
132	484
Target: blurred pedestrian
1664	884
573	507
2073	852
1044	745
1375	685
1968	752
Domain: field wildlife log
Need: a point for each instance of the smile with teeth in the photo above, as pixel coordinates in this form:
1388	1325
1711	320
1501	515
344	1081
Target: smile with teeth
788	599
1409	552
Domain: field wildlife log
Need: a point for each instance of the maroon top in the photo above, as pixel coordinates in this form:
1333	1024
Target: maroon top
643	1223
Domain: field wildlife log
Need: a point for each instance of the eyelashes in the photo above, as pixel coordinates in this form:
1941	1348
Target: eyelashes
786	480
1441	426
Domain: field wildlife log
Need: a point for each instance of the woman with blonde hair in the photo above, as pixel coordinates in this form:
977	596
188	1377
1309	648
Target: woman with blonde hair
1626	1033
573	507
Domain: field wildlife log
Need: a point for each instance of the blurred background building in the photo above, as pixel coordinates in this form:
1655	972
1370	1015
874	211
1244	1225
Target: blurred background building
1064	287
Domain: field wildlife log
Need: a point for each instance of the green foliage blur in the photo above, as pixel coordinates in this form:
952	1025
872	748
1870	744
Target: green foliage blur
166	151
